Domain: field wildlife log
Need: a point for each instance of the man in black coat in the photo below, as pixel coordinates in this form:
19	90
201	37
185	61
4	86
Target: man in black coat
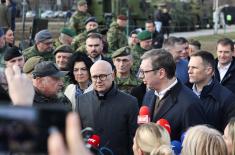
157	37
218	102
110	112
225	64
171	100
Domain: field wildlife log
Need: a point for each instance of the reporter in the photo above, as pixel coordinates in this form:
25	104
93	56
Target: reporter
76	146
148	137
202	140
229	136
162	150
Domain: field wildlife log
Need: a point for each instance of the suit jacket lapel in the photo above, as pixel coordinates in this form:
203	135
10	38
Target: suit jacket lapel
165	107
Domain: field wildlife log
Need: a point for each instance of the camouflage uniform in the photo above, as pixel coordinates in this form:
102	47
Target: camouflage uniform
32	51
137	52
127	84
77	21
79	42
116	37
57	43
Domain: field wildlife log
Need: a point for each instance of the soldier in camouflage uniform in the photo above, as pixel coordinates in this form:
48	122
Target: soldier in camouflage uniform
145	44
123	61
78	18
79	42
116	36
43	46
65	38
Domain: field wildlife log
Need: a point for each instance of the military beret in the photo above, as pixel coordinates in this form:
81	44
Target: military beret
43	35
81	2
31	63
1	32
12	52
122	17
68	31
144	35
124	51
63	49
90	19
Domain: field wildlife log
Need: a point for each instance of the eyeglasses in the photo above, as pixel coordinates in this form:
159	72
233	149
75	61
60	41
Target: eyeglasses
102	77
142	72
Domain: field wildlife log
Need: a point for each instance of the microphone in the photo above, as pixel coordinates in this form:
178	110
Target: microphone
182	137
94	141
87	133
93	144
176	147
143	116
164	123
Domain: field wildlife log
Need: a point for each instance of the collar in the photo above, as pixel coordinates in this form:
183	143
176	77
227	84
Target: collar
97	58
224	67
163	92
110	92
194	88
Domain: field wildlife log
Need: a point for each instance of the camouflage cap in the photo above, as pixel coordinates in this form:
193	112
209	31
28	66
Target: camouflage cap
47	68
81	2
63	49
124	51
31	63
68	31
144	35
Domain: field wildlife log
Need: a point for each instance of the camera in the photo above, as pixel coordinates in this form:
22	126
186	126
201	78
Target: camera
26	129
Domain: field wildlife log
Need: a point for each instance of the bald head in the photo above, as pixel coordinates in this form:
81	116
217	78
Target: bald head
101	64
102	76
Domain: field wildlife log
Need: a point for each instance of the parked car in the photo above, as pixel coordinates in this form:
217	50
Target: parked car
48	14
30	14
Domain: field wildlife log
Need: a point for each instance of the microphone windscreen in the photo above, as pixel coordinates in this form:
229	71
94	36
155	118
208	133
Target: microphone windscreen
164	123
144	110
94	140
182	137
176	147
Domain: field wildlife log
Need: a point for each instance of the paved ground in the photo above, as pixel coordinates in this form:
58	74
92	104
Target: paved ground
203	32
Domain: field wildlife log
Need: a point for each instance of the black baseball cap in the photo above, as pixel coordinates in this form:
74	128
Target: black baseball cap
47	68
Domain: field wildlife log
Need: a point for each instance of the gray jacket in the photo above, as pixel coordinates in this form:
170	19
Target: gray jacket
113	116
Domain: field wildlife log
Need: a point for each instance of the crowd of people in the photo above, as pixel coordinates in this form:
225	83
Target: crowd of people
104	79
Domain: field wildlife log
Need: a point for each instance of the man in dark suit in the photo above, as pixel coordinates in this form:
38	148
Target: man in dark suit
225	63
172	100
95	48
109	111
218	102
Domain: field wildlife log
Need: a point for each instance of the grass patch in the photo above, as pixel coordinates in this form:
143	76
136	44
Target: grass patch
209	42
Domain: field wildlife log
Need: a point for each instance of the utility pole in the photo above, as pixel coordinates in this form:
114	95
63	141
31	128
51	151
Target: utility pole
216	15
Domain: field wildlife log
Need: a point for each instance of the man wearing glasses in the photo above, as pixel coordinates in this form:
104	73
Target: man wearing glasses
110	112
43	46
169	99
